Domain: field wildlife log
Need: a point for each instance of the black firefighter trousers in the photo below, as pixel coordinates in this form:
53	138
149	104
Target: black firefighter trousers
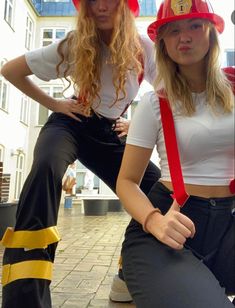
30	247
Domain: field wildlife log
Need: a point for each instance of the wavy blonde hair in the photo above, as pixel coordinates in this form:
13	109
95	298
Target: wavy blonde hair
176	87
84	57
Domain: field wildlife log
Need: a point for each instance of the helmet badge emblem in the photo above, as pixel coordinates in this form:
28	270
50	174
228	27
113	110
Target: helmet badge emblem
180	7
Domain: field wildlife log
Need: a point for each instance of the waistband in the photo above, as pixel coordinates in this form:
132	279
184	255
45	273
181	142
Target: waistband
219	203
94	115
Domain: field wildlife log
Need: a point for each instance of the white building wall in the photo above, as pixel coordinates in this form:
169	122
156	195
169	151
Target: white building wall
13	133
44	22
225	9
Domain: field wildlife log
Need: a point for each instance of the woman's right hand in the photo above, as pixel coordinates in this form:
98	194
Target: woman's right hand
69	106
173	228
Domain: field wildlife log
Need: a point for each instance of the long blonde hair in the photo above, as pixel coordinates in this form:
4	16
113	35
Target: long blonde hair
176	87
84	56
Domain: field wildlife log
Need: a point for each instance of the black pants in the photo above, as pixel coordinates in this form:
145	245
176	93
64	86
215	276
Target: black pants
61	141
196	276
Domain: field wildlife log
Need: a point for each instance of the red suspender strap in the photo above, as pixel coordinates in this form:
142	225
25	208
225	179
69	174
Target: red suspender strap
232	186
230	74
172	153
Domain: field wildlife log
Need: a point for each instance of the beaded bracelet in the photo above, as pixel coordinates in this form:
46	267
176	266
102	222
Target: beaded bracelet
147	218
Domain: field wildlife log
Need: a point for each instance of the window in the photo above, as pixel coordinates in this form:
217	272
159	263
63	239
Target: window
147	7
8	12
4	89
24	112
43	112
80	178
57	92
1	152
3	94
51	35
230	57
29	33
19	174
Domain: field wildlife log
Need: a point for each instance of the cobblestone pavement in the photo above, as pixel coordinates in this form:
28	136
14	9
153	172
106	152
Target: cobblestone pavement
86	259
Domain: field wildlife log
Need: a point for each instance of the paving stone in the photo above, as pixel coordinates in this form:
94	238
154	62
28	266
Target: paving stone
108	304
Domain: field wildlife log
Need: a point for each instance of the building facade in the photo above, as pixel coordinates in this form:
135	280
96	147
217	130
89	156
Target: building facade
30	24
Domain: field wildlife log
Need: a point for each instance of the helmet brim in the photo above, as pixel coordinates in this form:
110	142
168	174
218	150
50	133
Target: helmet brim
215	19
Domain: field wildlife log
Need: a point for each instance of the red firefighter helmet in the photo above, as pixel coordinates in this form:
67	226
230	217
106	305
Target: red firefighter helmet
133	5
173	10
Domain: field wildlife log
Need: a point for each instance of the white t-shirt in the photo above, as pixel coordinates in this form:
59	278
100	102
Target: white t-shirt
42	62
206	141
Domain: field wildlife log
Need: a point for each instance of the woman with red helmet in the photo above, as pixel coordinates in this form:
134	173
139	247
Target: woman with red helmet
181	253
104	57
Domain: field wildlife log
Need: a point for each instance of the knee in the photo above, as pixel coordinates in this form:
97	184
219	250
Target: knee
50	165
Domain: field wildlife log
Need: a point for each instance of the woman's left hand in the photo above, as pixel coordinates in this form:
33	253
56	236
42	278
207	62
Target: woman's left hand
122	126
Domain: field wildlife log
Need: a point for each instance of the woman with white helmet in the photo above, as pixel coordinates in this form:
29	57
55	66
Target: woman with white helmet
105	58
179	249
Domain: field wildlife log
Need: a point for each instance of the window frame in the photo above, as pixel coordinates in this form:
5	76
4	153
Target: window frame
227	51
9	4
2	152
49	89
24	110
53	39
29	33
19	174
4	84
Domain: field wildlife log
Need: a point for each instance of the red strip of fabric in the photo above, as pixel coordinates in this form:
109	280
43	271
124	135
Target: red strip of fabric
180	193
173	154
230	74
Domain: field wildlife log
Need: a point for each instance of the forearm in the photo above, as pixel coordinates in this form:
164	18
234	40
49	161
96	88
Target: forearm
134	200
29	88
16	72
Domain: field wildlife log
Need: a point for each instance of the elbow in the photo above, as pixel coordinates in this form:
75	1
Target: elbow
16	69
6	71
120	185
118	188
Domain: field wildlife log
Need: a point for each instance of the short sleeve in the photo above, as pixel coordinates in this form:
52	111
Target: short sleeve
149	60
43	62
145	123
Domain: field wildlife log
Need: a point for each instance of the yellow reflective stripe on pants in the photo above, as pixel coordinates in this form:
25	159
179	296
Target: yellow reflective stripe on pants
30	239
36	269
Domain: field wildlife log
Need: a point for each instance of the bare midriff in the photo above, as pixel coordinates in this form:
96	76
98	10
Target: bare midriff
203	191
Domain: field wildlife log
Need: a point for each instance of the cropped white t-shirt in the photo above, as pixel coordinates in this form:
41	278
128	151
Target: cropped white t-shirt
43	61
206	141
